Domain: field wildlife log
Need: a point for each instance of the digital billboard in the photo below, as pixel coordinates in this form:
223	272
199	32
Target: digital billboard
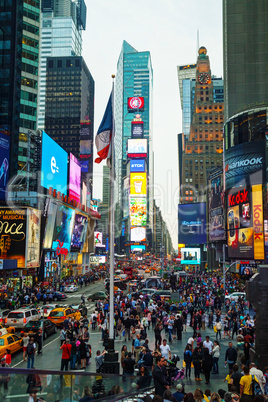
215	205
85	149
138	211
245	223
138	183
190	256
79	232
4	164
137	147
192	223
138	248
98	239
74	179
84	166
63	229
248	270
137	165
245	164
54	165
50	224
13	229
137	129
33	238
137	234
135	103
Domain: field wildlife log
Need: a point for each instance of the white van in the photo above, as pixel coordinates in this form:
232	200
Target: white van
19	318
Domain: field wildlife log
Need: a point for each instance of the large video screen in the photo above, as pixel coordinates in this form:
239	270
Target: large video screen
192	223
138	184
50	224
74	179
135	103
190	256
54	165
137	234
79	232
33	238
138	248
215	205
137	147
138	211
4	164
63	228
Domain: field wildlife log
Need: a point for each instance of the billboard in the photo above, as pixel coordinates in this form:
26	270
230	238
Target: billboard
138	211
192	223
79	232
4	164
98	239
137	165
245	164
54	165
74	179
138	184
137	129
63	229
138	248
247	269
245	223
84	166
135	103
190	256
13	227
50	224
33	238
85	149
137	147
215	205
138	234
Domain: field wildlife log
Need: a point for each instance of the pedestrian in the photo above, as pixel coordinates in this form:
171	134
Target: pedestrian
99	359
246	384
216	355
165	350
73	355
4	380
157	333
178	325
39	340
218	329
208	344
160	382
207	364
62	335
30	351
83	354
170	325
7	358
66	348
197	362
230	356
25	341
253	370
188	360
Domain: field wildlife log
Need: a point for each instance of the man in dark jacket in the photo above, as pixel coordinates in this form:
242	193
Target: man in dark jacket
179	326
160	381
230	356
128	365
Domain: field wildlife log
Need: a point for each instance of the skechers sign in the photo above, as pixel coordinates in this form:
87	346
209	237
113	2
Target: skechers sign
245	162
137	165
54	165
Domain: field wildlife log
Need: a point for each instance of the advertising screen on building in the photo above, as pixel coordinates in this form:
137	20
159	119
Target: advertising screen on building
137	129
74	179
4	164
248	270
79	232
138	211
33	238
245	223
192	223
138	184
63	229
135	103
245	164
138	248
215	205
98	239
50	224
137	165
137	234
54	165
85	149
13	230
137	147
190	256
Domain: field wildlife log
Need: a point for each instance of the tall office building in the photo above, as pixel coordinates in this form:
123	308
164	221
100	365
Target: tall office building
186	78
134	79
201	147
62	22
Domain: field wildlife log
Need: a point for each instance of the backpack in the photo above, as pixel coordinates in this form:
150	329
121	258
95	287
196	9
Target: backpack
256	389
30	349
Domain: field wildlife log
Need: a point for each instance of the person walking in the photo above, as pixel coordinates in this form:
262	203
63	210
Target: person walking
30	351
230	356
128	365
160	382
25	341
216	355
207	364
218	328
197	362
66	348
188	360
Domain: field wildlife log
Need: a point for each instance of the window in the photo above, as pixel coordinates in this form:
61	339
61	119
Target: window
28	314
59	64
10	340
68	63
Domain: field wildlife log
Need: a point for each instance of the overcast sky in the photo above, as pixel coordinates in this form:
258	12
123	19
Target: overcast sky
168	29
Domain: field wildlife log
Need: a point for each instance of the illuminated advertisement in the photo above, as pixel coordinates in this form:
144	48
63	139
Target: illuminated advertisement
215	205
33	238
138	248
13	226
84	166
137	147
190	256
245	223
98	239
192	223
74	179
248	270
137	165
245	162
85	149
137	129
54	165
137	211
63	229
138	234
135	103
138	183
79	232
84	194
4	164
50	224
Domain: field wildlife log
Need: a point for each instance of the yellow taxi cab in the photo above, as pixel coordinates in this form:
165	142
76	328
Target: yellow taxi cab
9	330
147	271
11	342
58	315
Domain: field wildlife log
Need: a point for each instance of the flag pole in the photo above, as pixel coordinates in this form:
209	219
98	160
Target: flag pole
111	226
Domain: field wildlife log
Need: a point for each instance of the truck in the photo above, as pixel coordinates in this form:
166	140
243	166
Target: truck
128	270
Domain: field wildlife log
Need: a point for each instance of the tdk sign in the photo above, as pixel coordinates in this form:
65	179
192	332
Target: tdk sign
137	165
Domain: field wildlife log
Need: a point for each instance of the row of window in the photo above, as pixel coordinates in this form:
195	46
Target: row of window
64	63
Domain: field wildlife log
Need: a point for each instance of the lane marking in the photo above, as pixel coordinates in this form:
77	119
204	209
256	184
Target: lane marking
24	395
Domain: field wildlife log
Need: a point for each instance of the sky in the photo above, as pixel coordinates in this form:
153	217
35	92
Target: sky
168	29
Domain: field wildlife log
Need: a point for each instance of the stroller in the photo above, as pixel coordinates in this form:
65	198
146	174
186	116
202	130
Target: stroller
175	373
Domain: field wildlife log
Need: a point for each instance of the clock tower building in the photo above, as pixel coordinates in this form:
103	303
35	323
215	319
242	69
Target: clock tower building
202	148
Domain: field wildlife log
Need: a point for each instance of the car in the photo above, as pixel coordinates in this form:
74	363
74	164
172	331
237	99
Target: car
3	315
148	292
58	315
70	289
97	296
47	308
147	271
235	296
19	318
11	342
164	294
59	296
9	330
47	326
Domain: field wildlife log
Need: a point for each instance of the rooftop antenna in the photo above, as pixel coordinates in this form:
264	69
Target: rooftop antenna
197	41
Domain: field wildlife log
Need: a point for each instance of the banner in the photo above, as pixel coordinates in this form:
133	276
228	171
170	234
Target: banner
33	238
257	206
138	184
